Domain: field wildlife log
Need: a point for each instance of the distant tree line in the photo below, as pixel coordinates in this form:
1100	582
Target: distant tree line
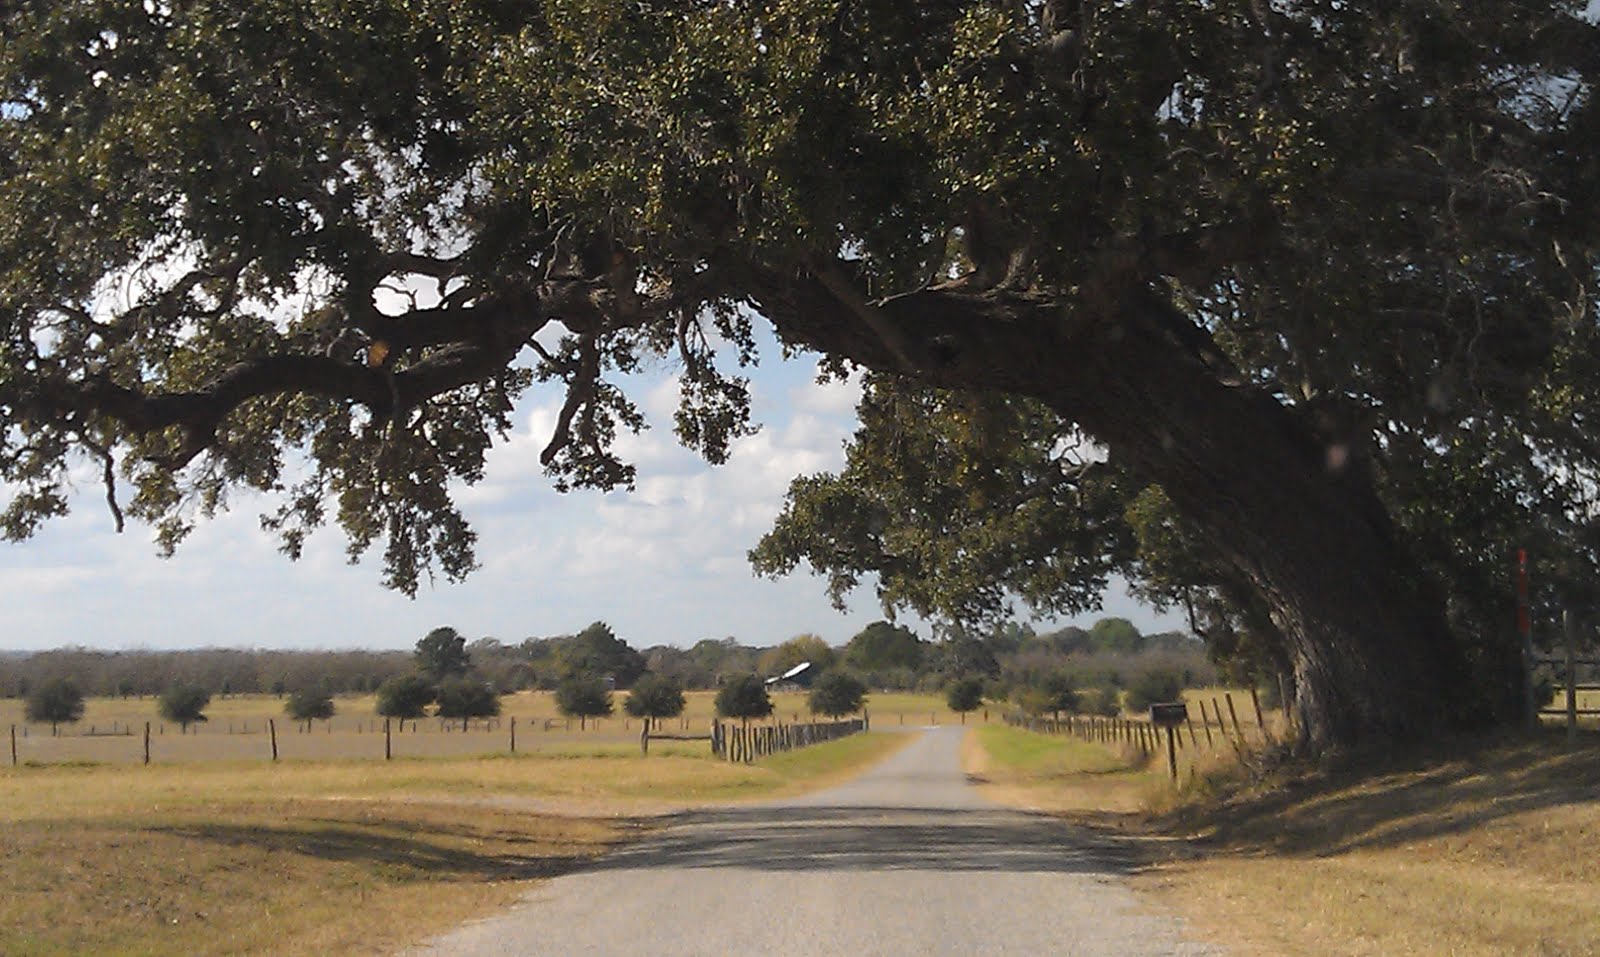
1100	668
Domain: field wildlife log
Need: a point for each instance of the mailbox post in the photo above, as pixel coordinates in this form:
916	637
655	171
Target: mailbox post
1170	716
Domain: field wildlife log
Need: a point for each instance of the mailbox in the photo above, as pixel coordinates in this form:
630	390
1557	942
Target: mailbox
1169	715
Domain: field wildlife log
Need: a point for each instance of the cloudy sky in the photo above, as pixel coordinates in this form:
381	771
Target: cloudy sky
663	565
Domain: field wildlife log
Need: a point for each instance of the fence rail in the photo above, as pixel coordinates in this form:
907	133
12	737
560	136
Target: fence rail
266	738
745	743
1145	736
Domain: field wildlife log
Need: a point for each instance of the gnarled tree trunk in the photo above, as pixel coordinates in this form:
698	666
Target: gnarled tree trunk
1296	515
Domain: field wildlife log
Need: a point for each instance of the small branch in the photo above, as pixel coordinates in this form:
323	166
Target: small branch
108	477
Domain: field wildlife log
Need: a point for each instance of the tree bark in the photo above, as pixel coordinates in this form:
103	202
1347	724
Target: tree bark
1295	514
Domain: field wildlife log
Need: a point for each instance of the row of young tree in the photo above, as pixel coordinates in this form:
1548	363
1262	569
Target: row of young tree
448	676
59	701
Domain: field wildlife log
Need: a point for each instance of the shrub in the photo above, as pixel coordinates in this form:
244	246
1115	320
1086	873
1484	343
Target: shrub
1105	702
57	701
308	704
836	693
744	697
465	697
1154	686
185	704
405	696
654	696
583	697
965	695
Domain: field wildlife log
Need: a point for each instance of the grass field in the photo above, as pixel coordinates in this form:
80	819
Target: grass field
336	857
1477	852
111	731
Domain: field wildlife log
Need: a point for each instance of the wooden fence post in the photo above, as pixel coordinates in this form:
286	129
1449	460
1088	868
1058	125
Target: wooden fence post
513	734
1172	753
1238	732
147	742
1569	627
14	745
1261	722
1205	722
272	731
388	747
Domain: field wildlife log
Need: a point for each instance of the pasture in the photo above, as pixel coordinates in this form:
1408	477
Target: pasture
111	731
335	857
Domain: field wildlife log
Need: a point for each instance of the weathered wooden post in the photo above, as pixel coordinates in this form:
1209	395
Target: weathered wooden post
272	732
1238	732
1169	716
146	743
1261	723
14	745
1569	627
513	734
388	742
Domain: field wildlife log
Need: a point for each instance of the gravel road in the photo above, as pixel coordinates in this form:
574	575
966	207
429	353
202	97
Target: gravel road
907	859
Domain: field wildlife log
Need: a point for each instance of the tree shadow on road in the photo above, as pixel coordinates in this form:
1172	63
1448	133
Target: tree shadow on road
876	839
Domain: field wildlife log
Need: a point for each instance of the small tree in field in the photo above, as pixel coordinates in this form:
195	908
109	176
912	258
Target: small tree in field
583	697
309	704
405	696
744	697
835	694
1154	686
654	696
185	704
467	698
57	701
964	696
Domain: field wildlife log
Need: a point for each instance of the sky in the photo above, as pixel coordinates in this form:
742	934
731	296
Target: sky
664	564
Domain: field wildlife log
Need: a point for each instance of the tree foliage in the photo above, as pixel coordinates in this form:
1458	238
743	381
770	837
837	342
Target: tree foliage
882	645
1323	274
835	694
655	696
744	697
184	703
1155	686
442	654
309	704
797	650
405	696
57	701
965	694
584	696
466	697
596	651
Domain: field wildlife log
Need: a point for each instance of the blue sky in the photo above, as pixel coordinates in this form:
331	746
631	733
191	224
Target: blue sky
663	565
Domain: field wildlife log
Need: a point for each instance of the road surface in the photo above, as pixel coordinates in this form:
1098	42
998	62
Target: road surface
907	859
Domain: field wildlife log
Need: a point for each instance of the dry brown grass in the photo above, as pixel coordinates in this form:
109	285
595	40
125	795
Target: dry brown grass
288	877
1481	851
333	858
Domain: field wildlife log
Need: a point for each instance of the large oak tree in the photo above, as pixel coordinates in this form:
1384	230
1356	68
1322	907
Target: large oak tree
1265	255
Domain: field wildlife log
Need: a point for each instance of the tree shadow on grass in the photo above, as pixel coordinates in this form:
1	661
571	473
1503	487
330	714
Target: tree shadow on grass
1410	799
497	859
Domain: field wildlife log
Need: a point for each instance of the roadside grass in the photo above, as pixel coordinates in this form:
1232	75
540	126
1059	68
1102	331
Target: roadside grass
1480	848
1053	773
337	857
